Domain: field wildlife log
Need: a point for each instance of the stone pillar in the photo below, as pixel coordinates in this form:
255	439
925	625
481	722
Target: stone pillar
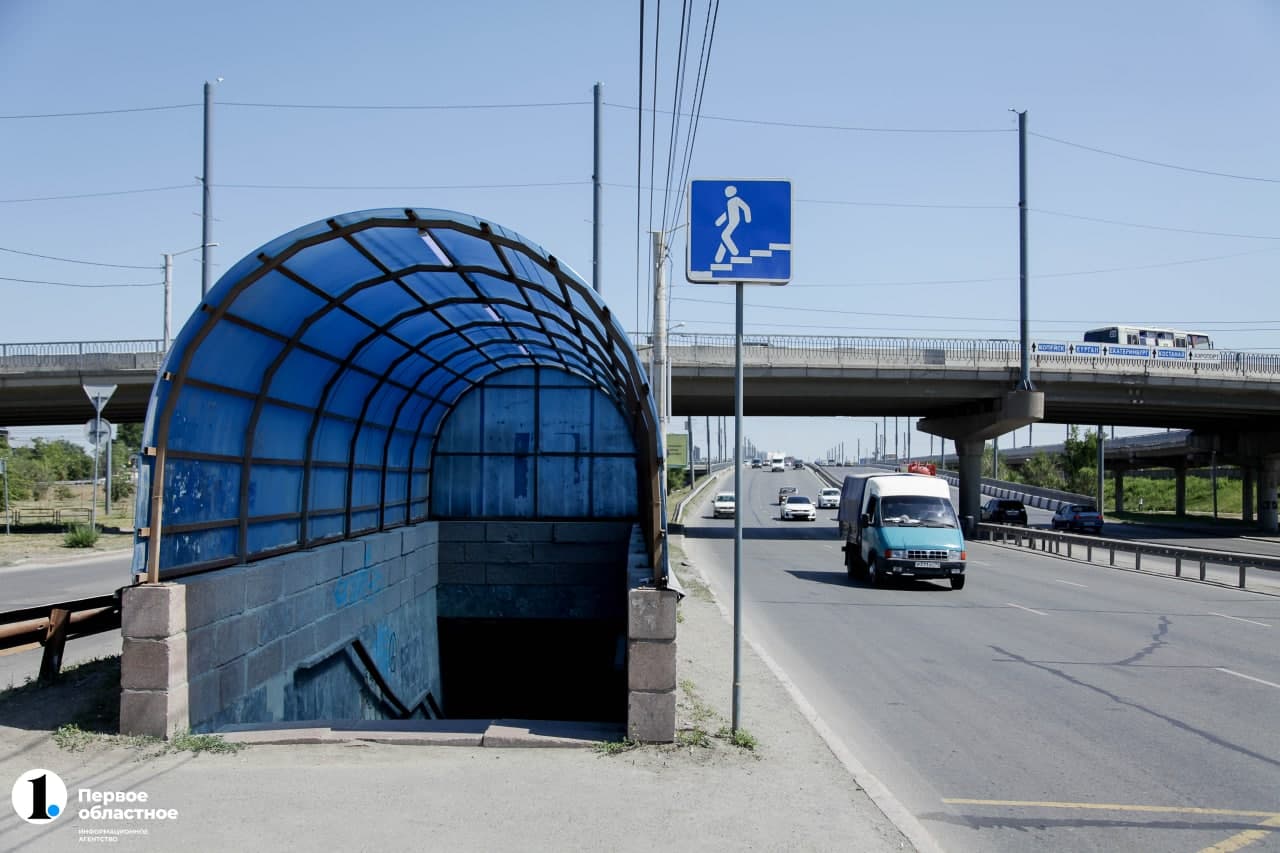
153	663
1118	473
1247	489
651	665
1180	488
970	465
1268	486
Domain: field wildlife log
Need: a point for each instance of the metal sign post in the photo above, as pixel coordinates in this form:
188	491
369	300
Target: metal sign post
739	232
98	395
4	472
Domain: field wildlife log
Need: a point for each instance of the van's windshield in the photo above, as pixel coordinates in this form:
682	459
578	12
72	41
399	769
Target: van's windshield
917	511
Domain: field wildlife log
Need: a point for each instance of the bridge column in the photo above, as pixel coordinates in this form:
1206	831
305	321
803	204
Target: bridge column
1269	485
1246	492
1118	473
1180	488
969	453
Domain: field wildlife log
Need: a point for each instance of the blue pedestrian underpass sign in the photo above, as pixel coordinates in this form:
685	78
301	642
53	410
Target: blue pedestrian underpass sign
739	231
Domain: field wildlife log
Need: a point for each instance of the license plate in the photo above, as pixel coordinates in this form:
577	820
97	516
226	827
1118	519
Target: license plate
928	565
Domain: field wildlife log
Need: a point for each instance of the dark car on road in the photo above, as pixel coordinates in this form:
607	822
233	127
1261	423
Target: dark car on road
1004	511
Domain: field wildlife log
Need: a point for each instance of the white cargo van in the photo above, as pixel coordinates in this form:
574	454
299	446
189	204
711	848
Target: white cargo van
900	526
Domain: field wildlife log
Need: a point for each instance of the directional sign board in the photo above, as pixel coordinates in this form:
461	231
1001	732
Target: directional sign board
739	231
99	395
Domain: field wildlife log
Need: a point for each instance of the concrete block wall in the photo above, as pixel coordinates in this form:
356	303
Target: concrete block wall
270	641
533	569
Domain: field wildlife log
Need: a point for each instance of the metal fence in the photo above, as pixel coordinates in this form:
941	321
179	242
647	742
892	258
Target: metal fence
1220	567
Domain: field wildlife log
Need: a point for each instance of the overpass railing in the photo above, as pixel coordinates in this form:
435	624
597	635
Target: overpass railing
822	350
78	355
1220	567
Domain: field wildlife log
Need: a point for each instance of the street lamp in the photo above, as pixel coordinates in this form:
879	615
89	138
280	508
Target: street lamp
168	288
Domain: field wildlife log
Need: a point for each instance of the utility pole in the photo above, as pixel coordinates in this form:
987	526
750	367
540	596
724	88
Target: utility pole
206	218
1024	380
596	195
660	341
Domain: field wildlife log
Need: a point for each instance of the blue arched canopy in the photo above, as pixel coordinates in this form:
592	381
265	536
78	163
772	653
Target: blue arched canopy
304	400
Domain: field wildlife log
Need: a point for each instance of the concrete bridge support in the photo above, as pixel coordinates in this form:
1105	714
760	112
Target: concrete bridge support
1247	489
970	453
1267	494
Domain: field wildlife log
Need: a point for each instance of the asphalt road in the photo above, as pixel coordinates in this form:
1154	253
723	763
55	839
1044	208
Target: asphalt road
1049	705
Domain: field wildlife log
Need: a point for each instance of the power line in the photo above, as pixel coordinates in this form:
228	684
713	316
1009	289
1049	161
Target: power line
71	261
97	195
405	107
84	286
1154	227
101	112
1173	166
850	128
402	186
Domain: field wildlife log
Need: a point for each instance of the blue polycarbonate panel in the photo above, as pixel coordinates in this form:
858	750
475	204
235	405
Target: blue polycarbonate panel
434	286
529	270
455	487
411	371
401	448
371	443
564	420
381	304
366	488
281	433
379	353
610	431
197	546
301	378
562	487
198	490
466	250
494	289
397	486
208	421
384	403
465	361
270	535
364	521
234	356
276	302
416	328
349	393
394	514
326	525
333	266
507	486
463	431
336	332
480	335
274	490
508	420
328	489
397	248
333	440
464	313
614	488
518	378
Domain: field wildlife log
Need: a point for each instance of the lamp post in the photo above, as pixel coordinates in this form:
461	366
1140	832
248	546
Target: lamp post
168	289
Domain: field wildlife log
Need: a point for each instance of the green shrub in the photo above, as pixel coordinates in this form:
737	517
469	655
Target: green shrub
62	492
80	536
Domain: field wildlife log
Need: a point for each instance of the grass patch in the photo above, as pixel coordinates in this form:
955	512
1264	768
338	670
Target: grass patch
72	738
741	738
80	536
693	737
615	747
188	742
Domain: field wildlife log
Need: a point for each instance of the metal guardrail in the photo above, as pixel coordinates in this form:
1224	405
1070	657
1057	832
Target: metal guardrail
813	350
1203	560
51	625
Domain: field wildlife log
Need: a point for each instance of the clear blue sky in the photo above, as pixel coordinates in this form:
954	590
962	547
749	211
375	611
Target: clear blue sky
900	228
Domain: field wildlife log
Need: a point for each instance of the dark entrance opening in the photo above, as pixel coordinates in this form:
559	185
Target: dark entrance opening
533	669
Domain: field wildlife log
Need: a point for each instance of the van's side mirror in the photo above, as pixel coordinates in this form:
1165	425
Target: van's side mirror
864	520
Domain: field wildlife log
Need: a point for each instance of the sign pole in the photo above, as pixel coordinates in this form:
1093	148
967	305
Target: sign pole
737	512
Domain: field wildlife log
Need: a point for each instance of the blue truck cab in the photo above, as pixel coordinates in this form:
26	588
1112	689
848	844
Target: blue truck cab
900	526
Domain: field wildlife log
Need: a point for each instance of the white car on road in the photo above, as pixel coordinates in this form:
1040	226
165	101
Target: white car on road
829	499
798	506
724	505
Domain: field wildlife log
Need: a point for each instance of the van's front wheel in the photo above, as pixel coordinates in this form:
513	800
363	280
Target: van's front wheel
957	581
875	571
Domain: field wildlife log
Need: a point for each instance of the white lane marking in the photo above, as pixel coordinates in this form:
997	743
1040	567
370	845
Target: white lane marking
1247	677
1069	583
1239	619
1028	609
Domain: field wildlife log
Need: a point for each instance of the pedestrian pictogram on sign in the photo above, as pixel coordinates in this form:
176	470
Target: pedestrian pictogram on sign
739	231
